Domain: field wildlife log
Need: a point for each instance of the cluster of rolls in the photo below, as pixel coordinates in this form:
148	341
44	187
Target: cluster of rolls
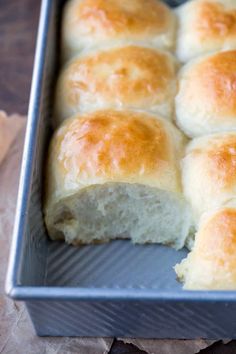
206	112
138	80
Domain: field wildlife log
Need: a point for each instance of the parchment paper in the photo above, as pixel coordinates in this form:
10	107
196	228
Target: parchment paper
16	332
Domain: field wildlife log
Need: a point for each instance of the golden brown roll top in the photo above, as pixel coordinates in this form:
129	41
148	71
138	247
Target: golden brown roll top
206	99
212	262
127	159
93	23
209	172
206	26
114	146
130	77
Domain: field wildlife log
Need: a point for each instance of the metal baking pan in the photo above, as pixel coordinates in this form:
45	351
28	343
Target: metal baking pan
115	289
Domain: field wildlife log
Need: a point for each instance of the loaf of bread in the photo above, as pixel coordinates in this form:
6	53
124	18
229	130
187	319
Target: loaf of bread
115	174
129	77
206	99
205	26
94	23
212	263
209	172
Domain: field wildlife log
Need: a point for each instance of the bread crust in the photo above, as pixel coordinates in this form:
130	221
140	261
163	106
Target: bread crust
126	77
212	263
114	146
206	99
206	26
209	172
92	23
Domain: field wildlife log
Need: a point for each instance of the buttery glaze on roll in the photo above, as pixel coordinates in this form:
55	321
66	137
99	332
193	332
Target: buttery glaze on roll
206	26
93	23
130	77
115	174
212	263
206	99
209	172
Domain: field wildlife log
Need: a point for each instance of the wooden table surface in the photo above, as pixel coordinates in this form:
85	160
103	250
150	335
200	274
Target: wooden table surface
18	27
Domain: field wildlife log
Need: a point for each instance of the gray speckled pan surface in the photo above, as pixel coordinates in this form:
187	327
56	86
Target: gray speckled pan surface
114	289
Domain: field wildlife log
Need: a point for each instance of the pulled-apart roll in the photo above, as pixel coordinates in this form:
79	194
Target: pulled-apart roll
93	23
206	26
130	77
115	174
209	172
206	100
212	263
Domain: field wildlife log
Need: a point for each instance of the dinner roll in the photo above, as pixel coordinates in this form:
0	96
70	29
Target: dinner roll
212	263
206	26
92	23
115	174
209	172
124	77
206	100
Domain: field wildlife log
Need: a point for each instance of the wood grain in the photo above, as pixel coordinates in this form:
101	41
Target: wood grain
18	26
